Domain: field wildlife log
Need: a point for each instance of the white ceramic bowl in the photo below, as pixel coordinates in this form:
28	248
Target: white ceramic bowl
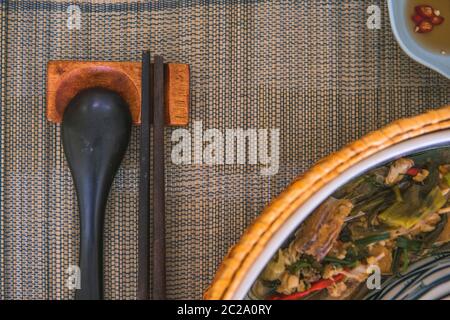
408	147
400	24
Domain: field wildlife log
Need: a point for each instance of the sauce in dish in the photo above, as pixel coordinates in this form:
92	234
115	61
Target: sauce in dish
432	36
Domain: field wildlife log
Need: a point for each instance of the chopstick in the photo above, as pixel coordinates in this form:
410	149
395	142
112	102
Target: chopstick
159	245
144	186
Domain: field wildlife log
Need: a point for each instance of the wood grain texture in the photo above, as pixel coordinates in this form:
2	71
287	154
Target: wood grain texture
66	78
238	261
176	95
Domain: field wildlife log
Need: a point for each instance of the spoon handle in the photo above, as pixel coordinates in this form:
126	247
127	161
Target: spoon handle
92	213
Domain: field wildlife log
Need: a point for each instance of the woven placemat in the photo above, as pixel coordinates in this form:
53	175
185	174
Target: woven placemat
310	68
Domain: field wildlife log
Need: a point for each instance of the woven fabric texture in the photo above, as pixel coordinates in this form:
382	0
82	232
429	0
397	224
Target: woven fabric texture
309	68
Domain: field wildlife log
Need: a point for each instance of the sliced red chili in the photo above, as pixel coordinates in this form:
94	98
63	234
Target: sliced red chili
413	171
316	286
437	20
417	18
424	27
425	11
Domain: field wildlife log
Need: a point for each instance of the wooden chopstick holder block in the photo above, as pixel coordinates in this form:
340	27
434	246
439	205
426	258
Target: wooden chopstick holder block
66	78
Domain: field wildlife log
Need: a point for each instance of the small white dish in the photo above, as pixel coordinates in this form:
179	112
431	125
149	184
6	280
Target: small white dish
400	27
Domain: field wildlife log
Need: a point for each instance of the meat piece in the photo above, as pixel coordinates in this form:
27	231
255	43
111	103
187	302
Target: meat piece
319	232
337	290
445	234
275	268
341	292
289	283
382	256
397	170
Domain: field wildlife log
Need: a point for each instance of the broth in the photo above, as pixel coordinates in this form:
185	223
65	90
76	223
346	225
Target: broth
437	40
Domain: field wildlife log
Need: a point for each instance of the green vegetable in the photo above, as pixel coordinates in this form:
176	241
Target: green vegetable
429	238
446	179
355	253
398	194
411	245
373	203
396	260
274	268
411	210
405	256
404	247
304	262
297	266
361	190
337	261
271	284
345	235
372	239
352	258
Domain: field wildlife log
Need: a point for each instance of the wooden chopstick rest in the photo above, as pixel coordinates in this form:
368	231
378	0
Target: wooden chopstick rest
66	78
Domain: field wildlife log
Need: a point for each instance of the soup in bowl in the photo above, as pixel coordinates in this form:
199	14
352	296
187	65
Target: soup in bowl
383	220
376	206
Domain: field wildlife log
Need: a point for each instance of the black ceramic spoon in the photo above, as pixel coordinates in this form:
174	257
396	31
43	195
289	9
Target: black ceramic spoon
95	133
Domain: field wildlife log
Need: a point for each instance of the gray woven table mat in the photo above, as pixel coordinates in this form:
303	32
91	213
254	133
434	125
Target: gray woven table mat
310	68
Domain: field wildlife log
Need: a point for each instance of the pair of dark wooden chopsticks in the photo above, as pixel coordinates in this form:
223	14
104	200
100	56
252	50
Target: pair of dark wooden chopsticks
152	111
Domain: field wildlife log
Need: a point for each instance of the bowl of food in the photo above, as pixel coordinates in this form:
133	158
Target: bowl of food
380	204
422	29
387	218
